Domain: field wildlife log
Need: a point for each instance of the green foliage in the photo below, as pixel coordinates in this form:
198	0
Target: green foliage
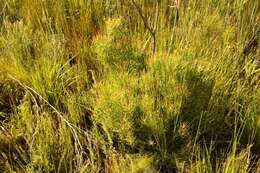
114	49
81	92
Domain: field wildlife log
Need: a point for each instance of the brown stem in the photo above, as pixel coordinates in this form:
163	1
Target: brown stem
146	25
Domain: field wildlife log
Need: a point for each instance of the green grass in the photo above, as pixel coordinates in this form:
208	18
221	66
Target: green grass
81	90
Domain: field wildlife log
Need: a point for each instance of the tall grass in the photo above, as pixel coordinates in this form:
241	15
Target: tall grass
80	90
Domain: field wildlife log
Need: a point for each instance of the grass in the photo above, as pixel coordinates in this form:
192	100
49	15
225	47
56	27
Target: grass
81	90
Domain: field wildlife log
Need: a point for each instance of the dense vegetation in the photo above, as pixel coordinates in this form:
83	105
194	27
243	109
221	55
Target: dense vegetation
82	90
